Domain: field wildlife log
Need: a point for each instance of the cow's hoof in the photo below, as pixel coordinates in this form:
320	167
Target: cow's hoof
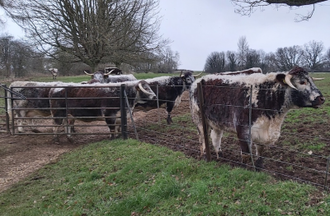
169	120
36	131
259	164
56	140
220	154
70	139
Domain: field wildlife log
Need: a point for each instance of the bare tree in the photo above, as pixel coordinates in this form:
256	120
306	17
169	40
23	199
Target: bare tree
288	57
168	61
243	49
327	60
18	58
312	55
252	59
91	31
215	62
232	60
247	7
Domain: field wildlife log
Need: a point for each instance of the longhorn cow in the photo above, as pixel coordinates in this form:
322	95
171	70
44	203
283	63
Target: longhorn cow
106	102
169	90
227	101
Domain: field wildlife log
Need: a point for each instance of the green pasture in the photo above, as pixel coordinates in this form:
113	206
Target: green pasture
127	177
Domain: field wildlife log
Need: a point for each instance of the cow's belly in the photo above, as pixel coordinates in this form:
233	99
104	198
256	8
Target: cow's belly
265	130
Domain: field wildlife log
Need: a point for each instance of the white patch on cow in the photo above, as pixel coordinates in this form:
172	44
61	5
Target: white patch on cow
177	101
162	80
267	131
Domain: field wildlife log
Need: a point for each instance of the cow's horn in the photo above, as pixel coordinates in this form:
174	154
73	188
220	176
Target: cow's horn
109	72
198	74
316	79
288	81
142	89
88	73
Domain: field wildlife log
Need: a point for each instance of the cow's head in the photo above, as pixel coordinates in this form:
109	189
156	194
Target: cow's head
113	71
187	78
144	92
98	76
303	91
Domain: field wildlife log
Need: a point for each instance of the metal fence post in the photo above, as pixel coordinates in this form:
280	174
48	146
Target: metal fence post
326	175
12	111
6	108
250	128
123	113
205	127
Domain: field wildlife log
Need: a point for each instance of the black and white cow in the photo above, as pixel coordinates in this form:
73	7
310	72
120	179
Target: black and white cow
54	72
36	103
102	77
106	103
113	70
227	100
170	90
98	76
120	78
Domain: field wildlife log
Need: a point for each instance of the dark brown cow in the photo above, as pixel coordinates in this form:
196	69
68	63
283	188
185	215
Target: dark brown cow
106	104
227	101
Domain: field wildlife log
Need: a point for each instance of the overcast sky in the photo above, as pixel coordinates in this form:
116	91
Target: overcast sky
199	27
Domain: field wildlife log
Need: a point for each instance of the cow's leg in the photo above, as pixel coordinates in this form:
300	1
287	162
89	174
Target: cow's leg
111	120
243	139
68	127
56	123
201	139
19	114
259	161
216	136
169	108
33	128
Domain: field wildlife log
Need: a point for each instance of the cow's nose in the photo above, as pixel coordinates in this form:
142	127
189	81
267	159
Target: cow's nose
322	100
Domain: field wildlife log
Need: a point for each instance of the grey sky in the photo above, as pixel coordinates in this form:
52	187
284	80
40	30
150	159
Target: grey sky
199	27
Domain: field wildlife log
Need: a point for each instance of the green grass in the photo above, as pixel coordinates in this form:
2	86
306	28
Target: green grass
126	177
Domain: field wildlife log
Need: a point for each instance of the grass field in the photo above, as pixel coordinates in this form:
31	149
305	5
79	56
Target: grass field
127	177
133	178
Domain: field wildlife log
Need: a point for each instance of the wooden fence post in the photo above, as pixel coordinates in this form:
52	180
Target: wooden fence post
205	127
123	113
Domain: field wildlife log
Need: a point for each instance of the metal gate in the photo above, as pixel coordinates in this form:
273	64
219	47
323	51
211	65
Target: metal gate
43	124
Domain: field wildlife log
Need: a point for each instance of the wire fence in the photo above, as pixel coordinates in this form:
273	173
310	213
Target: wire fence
298	155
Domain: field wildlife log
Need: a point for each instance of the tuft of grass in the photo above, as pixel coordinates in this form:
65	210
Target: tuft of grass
127	177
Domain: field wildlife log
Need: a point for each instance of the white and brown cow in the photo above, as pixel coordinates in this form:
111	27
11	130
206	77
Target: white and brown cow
104	102
54	72
36	103
227	101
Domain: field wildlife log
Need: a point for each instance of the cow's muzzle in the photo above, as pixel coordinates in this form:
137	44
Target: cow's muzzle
318	102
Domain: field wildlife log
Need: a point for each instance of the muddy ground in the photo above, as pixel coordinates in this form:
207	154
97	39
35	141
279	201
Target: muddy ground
21	155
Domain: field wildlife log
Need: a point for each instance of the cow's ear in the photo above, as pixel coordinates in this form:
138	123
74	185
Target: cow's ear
281	79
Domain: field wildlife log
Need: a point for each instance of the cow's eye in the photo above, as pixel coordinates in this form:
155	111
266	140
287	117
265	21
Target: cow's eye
303	82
